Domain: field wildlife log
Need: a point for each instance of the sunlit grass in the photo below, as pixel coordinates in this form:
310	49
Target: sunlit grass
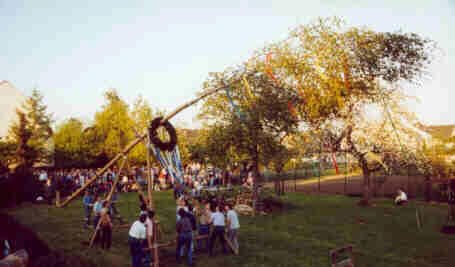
301	235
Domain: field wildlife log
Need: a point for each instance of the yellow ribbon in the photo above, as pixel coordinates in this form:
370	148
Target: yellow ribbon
247	86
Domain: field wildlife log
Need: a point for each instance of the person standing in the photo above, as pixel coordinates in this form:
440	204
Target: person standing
105	227
204	229
233	226
217	219
136	239
401	198
184	236
87	202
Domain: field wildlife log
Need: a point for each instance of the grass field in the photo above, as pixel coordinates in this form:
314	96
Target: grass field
301	235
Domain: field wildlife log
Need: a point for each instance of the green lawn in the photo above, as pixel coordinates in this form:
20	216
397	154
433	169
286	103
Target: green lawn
301	235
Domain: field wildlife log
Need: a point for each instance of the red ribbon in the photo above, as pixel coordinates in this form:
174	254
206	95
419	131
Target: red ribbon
269	70
291	109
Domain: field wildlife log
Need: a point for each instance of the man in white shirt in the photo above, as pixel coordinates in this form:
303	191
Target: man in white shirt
401	198
217	219
136	239
232	225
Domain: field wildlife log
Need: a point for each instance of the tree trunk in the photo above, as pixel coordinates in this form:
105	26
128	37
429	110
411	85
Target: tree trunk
255	179
366	186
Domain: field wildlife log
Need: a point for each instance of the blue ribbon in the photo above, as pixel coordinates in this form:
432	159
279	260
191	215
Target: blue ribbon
236	109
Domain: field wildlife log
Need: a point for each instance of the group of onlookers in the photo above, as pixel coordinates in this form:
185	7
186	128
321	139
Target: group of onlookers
191	224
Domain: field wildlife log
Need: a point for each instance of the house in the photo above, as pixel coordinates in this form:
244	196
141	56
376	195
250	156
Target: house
10	99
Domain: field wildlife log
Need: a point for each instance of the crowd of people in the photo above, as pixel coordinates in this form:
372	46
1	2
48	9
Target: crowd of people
69	180
207	223
214	221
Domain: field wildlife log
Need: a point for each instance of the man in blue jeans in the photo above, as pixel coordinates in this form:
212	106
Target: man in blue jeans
204	229
184	236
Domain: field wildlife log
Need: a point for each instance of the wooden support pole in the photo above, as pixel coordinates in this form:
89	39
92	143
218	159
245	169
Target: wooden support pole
149	175
108	199
156	257
57	199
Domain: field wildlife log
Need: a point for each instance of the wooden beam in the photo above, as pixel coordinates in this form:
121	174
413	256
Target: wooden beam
57	199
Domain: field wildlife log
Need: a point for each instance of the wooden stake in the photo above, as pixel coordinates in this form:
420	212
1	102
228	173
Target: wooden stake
57	199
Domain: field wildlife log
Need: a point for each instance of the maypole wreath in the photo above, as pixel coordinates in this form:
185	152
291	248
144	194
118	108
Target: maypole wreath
163	146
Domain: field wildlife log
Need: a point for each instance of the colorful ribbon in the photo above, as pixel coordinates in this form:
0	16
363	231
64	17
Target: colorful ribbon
236	109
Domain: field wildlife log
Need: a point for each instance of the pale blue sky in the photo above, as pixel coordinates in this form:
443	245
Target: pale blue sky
73	51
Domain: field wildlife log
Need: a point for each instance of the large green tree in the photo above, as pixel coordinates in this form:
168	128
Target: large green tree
32	131
339	71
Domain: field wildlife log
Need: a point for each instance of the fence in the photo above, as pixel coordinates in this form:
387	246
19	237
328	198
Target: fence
350	182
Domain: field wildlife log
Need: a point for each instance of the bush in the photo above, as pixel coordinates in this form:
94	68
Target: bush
20	186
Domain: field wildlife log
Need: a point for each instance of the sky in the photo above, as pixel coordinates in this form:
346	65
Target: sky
73	51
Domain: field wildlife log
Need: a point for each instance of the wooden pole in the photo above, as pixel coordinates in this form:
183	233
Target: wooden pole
108	199
156	257
149	174
139	189
57	199
135	142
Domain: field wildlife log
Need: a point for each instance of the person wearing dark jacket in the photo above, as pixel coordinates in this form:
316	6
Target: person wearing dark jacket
184	236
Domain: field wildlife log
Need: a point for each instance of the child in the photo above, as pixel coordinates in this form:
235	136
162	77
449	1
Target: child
105	227
401	198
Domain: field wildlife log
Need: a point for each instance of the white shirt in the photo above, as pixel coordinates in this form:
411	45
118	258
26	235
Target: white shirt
233	219
403	196
217	219
138	230
43	176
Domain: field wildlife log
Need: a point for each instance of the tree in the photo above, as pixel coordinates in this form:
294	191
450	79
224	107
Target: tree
339	71
32	131
73	145
255	123
114	124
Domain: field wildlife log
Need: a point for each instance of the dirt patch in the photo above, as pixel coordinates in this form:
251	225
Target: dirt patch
353	185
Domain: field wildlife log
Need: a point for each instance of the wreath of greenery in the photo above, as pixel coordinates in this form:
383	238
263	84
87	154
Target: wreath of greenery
153	131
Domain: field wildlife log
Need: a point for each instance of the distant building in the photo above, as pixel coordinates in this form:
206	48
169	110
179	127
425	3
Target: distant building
10	99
